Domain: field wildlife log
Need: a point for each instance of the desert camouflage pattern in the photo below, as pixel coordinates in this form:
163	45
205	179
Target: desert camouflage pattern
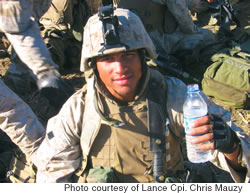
19	122
62	30
187	36
14	8
131	33
17	21
13	19
59	15
69	142
178	31
32	51
109	149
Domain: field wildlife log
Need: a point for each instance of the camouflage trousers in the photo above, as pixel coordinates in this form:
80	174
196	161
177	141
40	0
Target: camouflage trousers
18	23
15	14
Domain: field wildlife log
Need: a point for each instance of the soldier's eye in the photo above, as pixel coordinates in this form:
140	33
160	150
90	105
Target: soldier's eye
105	58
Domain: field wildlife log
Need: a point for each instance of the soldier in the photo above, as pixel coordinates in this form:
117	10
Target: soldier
128	115
18	20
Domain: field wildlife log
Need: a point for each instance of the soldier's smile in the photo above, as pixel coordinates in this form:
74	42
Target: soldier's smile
120	74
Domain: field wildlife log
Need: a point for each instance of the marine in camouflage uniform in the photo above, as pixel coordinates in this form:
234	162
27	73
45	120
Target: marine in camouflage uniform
104	128
18	20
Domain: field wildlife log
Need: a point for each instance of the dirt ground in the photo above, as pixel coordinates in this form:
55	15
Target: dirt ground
75	78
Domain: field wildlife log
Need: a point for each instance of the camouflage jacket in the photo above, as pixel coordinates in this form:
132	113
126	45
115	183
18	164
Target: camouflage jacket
65	148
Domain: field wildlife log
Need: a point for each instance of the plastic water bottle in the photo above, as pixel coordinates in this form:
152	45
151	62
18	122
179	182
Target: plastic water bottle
193	108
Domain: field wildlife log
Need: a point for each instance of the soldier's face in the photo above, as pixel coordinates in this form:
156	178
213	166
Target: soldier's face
120	73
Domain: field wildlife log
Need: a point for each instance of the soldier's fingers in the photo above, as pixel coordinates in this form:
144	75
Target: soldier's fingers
205	120
203	138
208	146
200	130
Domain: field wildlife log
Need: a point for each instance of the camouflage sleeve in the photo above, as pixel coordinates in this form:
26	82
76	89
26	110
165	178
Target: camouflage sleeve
19	122
60	154
218	157
176	97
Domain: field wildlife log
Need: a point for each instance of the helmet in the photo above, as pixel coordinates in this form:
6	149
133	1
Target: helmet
129	30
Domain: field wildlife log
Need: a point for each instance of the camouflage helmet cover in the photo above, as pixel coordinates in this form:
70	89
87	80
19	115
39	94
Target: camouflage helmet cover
131	33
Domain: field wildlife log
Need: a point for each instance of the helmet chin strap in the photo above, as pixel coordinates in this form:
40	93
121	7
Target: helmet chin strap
98	102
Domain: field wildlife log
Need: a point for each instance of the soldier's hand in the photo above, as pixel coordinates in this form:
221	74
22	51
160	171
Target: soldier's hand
202	132
216	132
224	138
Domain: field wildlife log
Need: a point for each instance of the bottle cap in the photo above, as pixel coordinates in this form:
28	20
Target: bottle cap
193	88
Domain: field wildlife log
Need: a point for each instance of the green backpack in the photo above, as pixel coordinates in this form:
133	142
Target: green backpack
227	78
